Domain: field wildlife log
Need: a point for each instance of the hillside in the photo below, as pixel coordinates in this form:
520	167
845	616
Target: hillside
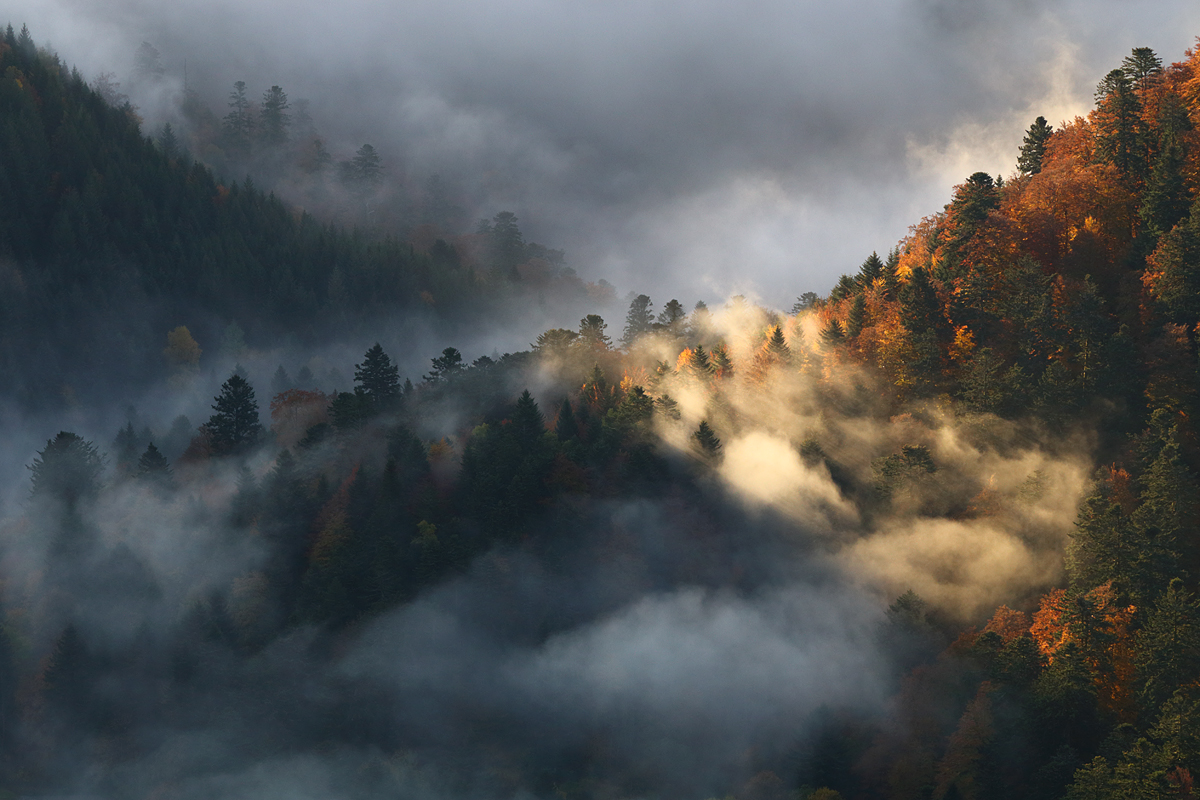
934	535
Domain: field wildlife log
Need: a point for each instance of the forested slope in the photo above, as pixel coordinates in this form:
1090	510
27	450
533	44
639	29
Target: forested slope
108	240
932	536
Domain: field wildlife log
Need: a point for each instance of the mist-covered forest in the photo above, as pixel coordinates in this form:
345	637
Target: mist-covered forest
933	534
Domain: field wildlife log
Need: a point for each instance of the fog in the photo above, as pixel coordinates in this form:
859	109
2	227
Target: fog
761	148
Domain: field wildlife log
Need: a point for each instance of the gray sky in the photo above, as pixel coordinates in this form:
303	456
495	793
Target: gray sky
682	149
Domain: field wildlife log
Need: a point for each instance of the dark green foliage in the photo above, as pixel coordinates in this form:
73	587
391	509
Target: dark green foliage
445	366
349	410
856	320
833	334
1141	65
591	332
777	347
1033	147
235	426
871	270
707	443
1121	140
671	314
639	320
901	470
845	287
274	120
379	378
68	470
153	467
1168	646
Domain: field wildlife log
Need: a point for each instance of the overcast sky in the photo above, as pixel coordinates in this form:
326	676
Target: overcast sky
691	149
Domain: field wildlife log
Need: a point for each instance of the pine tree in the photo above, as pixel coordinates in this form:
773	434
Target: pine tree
281	381
379	378
273	117
591	332
871	270
1120	132
24	43
528	423
68	469
833	334
1033	147
639	319
239	122
565	425
672	313
1141	66
168	142
777	347
722	364
857	318
706	441
698	362
235	427
153	467
445	366
1168	646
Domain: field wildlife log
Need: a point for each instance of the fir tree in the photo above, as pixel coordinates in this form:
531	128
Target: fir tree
235	427
671	314
833	334
1033	148
153	467
379	378
857	318
706	441
639	319
870	271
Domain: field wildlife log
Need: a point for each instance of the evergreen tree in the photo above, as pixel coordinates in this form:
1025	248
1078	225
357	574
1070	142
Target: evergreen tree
235	427
777	347
153	467
168	142
698	362
722	364
445	366
126	447
273	117
1168	646
507	244
239	122
671	314
379	378
24	43
639	319
833	334
857	318
870	271
1033	147
565	425
1141	66
68	469
1121	133
591	332
1165	198
707	443
528	423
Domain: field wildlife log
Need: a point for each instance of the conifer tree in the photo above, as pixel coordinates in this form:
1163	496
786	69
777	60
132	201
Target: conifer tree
281	382
639	319
235	427
565	425
671	314
856	320
153	467
445	366
1168	646
1121	133
706	441
273	117
68	469
528	423
777	346
871	270
1033	147
722	364
591	332
379	378
833	334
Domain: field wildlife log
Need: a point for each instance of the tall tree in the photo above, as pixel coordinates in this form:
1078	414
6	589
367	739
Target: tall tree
1121	133
378	377
68	469
235	426
1033	147
274	120
639	319
671	314
239	122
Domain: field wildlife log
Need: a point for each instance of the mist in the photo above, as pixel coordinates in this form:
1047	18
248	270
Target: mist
760	149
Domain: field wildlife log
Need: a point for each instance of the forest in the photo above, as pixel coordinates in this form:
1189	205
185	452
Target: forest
932	535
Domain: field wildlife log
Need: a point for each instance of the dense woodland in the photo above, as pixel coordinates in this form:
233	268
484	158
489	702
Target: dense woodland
1043	324
108	236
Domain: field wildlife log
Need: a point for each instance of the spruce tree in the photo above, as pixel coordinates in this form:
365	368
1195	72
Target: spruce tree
378	378
1033	147
833	334
235	427
870	270
777	347
528	422
856	320
273	117
1168	646
706	441
639	319
153	467
672	313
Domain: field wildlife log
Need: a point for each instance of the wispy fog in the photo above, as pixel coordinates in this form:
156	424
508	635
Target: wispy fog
760	147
